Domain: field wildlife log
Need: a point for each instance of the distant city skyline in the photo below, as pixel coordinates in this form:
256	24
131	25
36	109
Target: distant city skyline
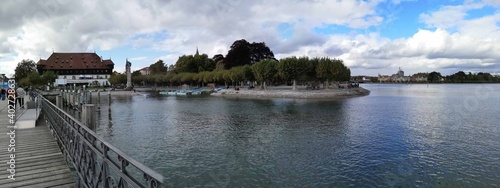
371	36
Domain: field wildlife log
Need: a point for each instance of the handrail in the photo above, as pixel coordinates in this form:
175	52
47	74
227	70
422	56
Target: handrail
85	150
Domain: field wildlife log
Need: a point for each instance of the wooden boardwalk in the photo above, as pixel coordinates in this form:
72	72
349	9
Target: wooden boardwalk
38	160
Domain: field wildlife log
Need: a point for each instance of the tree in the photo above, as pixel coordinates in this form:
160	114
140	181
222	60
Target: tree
245	53
310	69
238	55
260	51
136	73
117	78
23	68
264	70
194	64
291	68
340	72
434	77
171	68
324	71
158	67
218	57
48	77
32	79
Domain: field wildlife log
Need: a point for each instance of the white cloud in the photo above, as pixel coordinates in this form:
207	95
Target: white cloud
33	30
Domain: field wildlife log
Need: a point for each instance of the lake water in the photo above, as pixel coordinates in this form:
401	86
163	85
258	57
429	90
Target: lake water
399	135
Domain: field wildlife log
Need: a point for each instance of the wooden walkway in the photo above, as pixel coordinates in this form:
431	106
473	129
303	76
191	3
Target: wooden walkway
38	160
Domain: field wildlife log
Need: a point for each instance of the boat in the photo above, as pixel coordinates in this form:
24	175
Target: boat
185	92
177	92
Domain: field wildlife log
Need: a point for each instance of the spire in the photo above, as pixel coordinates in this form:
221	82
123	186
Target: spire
197	53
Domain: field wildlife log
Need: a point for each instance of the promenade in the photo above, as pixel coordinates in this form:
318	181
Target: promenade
37	160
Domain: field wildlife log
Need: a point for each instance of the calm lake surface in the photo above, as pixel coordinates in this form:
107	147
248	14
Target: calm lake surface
399	135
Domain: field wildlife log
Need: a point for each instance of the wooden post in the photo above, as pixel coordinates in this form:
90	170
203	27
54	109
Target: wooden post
88	116
68	98
98	100
89	97
58	101
73	96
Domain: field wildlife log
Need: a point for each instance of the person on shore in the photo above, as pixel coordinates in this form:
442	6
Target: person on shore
20	96
2	93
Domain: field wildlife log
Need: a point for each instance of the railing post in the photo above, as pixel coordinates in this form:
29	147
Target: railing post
109	98
88	117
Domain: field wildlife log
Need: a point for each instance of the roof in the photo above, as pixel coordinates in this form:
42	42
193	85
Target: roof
60	61
145	69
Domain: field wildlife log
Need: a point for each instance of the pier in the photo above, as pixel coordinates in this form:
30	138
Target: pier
37	160
62	151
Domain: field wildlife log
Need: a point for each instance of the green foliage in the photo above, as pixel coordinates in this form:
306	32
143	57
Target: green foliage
324	69
434	77
138	79
136	73
194	64
48	77
291	68
310	73
245	53
158	67
33	79
480	77
117	78
25	67
340	71
264	70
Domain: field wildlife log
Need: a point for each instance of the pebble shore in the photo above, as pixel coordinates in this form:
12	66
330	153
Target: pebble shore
297	94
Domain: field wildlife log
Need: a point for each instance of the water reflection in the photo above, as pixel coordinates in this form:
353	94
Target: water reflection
399	135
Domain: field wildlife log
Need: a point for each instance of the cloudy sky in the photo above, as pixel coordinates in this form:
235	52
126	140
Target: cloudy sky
371	36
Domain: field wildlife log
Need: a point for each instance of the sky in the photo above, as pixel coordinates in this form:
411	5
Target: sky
371	36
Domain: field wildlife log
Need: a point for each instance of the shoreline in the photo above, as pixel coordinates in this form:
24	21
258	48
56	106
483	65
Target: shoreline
333	93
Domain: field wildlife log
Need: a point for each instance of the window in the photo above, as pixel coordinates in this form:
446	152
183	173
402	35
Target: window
73	77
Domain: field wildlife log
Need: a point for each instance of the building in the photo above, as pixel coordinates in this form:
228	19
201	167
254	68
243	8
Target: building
77	68
399	77
145	71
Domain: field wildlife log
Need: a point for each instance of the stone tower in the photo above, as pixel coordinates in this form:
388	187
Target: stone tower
129	75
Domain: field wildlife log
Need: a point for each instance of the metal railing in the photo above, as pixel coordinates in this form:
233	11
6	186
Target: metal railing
97	162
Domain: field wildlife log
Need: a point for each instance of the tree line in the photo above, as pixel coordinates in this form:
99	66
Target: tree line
289	70
245	61
460	77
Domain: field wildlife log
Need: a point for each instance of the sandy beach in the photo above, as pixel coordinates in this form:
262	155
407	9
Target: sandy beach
288	93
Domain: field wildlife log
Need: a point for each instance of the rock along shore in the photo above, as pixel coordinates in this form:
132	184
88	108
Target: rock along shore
297	94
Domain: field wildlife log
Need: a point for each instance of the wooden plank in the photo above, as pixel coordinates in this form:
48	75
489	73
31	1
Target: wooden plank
39	161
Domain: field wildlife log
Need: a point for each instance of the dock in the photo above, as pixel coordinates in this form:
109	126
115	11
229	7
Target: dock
38	160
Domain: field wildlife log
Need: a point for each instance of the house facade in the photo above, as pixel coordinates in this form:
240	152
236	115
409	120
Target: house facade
77	68
145	71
